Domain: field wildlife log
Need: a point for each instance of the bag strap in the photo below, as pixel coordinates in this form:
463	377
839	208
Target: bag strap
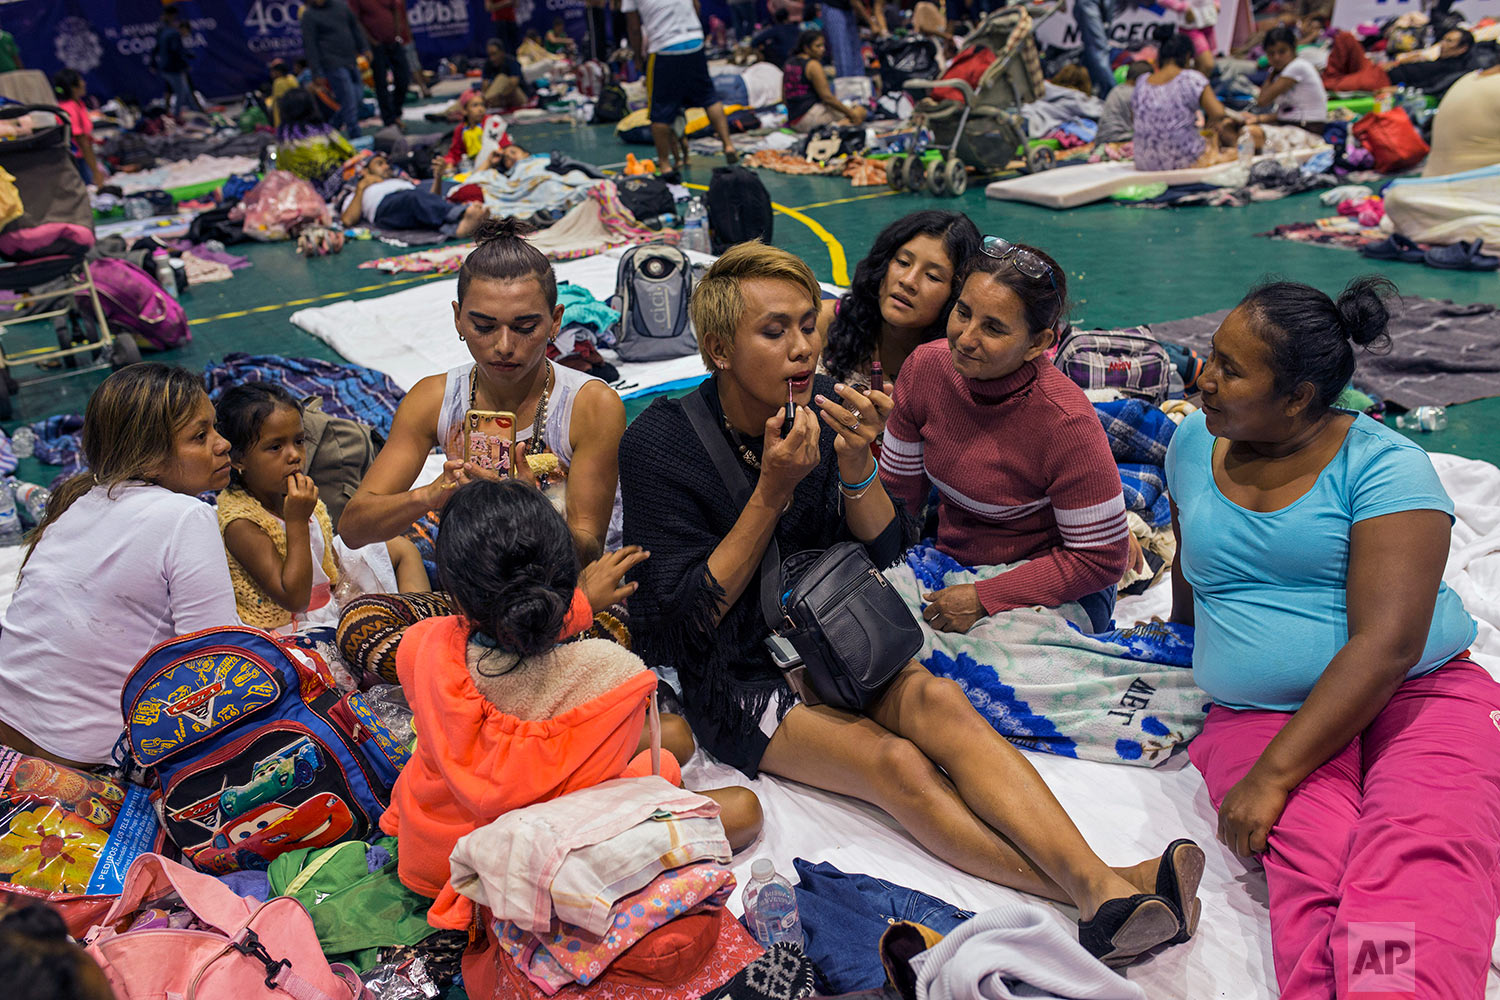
653	718
739	491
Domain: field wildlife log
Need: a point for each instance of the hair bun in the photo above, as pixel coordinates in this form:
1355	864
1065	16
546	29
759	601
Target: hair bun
1163	33
509	228
1363	314
531	619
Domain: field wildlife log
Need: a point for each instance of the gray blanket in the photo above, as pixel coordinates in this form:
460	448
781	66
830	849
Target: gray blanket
1441	353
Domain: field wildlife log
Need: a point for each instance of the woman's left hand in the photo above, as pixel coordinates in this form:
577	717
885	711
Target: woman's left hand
858	418
953	609
1248	814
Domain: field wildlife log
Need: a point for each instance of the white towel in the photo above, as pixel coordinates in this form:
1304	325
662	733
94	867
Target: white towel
1016	950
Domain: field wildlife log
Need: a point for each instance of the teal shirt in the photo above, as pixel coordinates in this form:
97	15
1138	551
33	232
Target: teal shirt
1269	589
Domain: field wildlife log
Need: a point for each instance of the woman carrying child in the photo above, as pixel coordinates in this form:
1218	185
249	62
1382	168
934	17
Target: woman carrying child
126	557
284	560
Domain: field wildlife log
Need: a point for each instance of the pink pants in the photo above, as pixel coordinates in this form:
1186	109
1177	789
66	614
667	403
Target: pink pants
1402	826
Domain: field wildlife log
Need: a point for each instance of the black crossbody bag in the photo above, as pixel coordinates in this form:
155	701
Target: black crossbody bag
842	633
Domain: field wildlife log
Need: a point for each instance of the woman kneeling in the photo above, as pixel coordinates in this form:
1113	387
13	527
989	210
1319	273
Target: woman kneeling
922	752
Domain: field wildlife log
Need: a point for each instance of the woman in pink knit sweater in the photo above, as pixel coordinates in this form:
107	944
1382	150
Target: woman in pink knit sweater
1020	461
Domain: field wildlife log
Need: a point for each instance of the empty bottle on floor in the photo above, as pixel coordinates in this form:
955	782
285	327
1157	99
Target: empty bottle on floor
31	500
695	227
771	906
11	532
162	262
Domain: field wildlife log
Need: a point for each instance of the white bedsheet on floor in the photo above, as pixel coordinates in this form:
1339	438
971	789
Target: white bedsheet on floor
409	334
1127	813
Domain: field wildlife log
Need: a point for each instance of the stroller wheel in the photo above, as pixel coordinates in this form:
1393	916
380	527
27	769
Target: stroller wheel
895	172
955	177
124	351
912	175
1039	158
937	181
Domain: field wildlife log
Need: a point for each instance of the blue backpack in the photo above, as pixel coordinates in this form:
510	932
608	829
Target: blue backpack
255	752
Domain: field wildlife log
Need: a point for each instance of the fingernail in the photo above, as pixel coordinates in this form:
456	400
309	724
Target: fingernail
838	387
821	399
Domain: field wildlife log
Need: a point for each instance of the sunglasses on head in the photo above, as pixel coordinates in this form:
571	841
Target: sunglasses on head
1023	260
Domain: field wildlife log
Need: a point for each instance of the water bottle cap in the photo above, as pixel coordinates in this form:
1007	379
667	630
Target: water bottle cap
762	869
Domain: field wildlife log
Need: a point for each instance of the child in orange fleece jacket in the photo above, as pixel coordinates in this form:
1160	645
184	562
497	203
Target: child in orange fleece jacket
507	713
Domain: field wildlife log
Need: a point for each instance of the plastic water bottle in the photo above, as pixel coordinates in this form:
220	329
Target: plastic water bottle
23	442
1424	418
695	228
30	500
11	531
161	261
771	906
1246	146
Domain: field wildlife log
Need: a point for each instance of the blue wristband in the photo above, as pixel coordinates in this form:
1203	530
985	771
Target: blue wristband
852	487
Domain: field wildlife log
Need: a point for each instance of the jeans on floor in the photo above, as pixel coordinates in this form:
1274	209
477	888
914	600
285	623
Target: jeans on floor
182	92
349	91
390	94
1092	17
841	28
844	914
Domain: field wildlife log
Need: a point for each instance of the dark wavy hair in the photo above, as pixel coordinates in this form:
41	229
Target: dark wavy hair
39	961
1173	47
1311	336
856	328
501	254
506	557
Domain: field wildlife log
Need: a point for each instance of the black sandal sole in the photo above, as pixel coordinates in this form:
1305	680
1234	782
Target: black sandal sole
1177	881
1153	923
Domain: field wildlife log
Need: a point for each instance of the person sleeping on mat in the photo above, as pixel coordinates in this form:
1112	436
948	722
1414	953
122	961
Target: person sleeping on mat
900	297
126	557
921	751
1352	743
382	199
969	420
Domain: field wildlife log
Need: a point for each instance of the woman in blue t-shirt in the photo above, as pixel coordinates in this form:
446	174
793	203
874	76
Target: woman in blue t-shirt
1351	744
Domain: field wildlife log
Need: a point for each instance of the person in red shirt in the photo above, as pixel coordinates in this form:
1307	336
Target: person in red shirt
388	30
503	13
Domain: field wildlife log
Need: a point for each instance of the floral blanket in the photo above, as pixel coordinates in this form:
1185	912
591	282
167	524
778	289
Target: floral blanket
1044	685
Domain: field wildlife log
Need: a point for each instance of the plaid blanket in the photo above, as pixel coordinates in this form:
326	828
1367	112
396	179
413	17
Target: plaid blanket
1138	437
59	441
348	391
1047	687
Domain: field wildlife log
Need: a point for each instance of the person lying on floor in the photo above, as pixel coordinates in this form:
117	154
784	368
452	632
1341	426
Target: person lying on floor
509	712
921	752
1294	89
1165	107
389	202
968	418
1456	56
284	559
807	91
900	296
1351	744
126	557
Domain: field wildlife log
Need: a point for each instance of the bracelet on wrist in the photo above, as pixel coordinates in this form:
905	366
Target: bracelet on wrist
850	487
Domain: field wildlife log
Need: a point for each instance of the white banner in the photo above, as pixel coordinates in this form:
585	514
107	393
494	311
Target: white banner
1348	13
1131	27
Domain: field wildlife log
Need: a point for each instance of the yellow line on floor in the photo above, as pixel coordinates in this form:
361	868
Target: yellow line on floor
845	201
319	298
835	248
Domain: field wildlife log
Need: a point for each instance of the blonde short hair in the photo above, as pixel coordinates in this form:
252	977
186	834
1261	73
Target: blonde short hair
717	305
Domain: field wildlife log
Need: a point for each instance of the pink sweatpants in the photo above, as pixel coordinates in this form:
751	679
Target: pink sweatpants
1401	827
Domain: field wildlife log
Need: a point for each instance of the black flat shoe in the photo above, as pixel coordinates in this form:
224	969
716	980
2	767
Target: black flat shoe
1177	882
1124	929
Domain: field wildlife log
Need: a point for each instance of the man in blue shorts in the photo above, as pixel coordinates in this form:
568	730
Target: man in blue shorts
676	72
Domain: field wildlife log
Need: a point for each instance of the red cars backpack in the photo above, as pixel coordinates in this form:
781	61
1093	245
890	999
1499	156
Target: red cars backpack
256	752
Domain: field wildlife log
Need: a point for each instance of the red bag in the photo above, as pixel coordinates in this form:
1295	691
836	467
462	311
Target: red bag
1392	139
968	66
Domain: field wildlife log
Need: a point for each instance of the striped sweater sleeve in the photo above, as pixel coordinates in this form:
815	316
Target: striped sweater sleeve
1089	507
901	469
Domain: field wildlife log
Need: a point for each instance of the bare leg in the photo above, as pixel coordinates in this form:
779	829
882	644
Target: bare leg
411	575
676	737
720	123
666	145
473	218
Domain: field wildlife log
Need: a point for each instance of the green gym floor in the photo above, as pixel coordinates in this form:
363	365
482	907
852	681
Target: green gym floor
1125	266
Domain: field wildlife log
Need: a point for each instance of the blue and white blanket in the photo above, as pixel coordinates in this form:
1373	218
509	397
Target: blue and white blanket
1138	437
1046	686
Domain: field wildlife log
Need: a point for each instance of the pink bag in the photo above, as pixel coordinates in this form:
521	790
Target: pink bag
255	951
280	205
133	301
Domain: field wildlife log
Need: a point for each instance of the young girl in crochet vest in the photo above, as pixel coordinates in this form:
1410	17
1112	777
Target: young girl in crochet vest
283	559
508	711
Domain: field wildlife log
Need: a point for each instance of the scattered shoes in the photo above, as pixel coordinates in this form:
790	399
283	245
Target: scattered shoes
1126	928
1177	882
1461	256
1398	247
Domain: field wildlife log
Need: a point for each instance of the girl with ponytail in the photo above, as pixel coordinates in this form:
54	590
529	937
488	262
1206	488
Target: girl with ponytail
1166	105
1351	742
126	557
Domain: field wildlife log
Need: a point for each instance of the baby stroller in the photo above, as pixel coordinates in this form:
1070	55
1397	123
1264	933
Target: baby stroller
44	271
983	128
909	57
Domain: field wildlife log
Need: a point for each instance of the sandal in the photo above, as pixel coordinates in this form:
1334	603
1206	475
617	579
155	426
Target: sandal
1127	928
1177	882
732	157
1398	247
1461	256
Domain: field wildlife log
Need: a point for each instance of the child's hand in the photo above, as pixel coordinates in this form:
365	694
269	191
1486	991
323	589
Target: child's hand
603	580
301	498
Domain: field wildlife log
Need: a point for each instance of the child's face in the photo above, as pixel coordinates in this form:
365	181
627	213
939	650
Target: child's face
474	110
278	453
1280	55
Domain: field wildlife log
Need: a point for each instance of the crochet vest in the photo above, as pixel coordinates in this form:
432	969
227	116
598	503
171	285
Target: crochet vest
255	606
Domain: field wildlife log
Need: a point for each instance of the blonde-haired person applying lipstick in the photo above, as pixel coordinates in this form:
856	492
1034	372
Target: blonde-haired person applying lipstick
920	752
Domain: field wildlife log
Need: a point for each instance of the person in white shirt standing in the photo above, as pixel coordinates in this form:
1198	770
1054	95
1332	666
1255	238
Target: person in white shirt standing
677	75
126	557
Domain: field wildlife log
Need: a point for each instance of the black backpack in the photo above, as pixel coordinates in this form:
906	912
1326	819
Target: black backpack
646	197
739	208
612	104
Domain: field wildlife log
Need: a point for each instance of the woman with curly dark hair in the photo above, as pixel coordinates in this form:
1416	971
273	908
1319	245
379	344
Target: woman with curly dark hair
901	293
